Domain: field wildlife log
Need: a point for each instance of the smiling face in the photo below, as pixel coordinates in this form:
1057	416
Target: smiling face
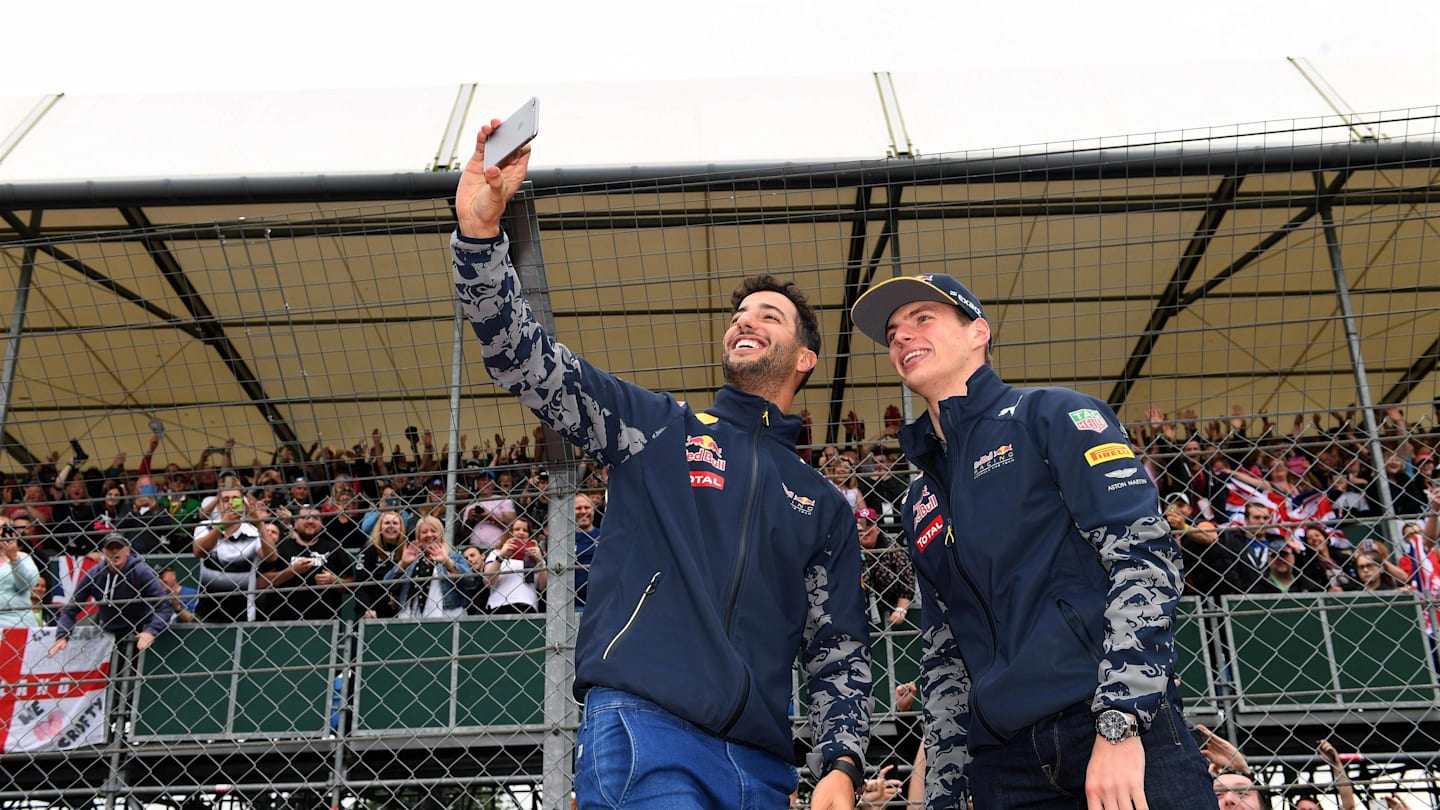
762	352
392	529
934	349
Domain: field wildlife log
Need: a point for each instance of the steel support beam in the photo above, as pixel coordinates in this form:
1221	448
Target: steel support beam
1169	304
207	326
854	262
1357	361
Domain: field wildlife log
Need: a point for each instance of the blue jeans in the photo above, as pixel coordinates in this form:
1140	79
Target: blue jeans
632	753
1044	765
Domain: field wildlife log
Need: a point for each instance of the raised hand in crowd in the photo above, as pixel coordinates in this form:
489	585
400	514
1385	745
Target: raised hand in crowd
1223	755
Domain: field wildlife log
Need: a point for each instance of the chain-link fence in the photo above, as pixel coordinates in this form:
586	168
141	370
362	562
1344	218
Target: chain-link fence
290	390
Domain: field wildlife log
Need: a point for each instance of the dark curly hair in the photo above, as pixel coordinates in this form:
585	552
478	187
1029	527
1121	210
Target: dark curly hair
808	328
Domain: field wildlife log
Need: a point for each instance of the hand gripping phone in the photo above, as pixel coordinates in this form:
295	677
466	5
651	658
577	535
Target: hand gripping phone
517	130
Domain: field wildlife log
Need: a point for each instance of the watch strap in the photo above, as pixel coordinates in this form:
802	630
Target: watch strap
850	769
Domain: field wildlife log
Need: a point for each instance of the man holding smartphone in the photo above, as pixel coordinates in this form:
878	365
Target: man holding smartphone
725	554
1048	578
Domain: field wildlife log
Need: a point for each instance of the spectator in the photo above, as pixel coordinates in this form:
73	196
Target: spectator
389	501
298	494
178	500
884	491
306	577
132	598
587	541
149	527
184	600
533	502
1290	570
514	571
34	504
1238	791
18	578
488	515
231	547
343	515
1374	574
1207	562
433	504
269	488
434	582
107	514
1419	559
377	559
1252	541
841	474
479	592
888	573
40	603
1320	543
73	516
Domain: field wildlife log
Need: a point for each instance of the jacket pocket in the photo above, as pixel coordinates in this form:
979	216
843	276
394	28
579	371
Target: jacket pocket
649	589
1077	627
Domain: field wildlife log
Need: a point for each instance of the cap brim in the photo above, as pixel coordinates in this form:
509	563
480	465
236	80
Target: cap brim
872	312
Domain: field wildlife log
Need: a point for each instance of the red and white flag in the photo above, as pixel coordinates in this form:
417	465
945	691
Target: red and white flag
53	703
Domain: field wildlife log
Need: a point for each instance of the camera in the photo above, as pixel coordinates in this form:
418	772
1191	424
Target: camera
412	434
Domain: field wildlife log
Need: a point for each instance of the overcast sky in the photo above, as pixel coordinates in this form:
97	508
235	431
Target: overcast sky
108	47
295	87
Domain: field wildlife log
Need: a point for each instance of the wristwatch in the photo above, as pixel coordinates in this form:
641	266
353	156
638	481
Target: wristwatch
850	769
1115	725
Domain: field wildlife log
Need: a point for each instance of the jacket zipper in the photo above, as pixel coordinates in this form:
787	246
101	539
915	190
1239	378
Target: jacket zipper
744	544
948	547
649	589
740	554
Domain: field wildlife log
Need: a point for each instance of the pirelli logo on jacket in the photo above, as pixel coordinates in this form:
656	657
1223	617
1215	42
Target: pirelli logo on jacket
1101	453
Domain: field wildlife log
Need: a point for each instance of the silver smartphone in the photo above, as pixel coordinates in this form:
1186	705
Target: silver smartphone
516	131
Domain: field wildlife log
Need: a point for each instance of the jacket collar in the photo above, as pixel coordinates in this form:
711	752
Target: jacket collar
983	391
749	411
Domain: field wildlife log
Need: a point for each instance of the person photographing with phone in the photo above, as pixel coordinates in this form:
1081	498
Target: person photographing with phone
515	571
726	556
230	544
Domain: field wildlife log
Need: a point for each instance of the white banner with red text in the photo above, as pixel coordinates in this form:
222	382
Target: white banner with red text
53	703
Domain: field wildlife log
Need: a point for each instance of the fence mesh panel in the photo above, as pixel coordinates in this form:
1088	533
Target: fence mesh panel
1257	303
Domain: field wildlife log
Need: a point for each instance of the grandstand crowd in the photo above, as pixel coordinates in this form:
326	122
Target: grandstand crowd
1255	507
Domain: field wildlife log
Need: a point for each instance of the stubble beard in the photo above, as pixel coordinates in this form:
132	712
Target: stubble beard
764	376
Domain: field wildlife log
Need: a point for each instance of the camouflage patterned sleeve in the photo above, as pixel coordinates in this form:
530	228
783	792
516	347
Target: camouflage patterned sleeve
836	655
945	703
593	410
1116	508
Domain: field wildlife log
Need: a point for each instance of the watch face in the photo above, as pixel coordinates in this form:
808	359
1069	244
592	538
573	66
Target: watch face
1113	725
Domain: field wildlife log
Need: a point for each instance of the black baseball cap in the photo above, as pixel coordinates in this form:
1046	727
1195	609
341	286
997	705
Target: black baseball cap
114	539
872	312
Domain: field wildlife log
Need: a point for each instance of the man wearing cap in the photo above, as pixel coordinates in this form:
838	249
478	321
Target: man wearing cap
726	556
132	598
149	527
1048	578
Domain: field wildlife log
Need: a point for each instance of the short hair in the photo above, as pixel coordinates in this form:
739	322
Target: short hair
808	326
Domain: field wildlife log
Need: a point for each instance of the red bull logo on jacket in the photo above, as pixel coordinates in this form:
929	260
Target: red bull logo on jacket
999	457
800	503
705	450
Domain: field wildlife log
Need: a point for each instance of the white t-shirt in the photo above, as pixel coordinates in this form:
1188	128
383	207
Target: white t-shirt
512	586
434	605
